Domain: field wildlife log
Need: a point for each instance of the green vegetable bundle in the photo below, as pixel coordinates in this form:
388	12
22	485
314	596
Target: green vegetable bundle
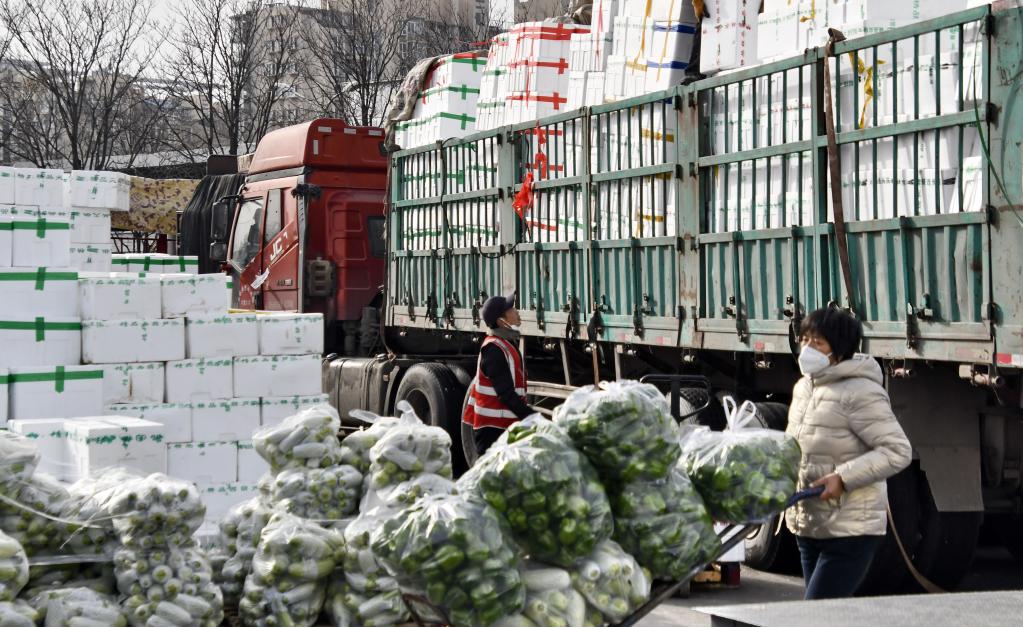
356	445
168	587
612	582
78	607
290	570
551	601
18	614
625	428
456	551
13	567
326	495
155	512
664	524
743	474
527	427
306	440
350	608
240	531
548	493
407	450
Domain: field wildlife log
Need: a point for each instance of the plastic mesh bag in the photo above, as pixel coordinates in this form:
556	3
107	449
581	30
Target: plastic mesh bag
611	581
664	524
548	493
73	606
13	567
408	449
743	474
290	570
457	552
306	440
625	428
240	531
326	495
171	586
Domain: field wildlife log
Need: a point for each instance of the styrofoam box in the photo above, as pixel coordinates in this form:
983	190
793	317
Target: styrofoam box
724	46
97	189
6	235
290	334
176	418
219	498
89	226
193	295
203	462
225	420
91	257
39	187
119	296
133	383
55	391
277	375
159	263
228	335
41	236
4	395
40	341
31	292
191	380
132	341
50	439
251	467
123	441
7	185
275	409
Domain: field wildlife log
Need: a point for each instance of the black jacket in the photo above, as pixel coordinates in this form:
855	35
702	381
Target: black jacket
495	366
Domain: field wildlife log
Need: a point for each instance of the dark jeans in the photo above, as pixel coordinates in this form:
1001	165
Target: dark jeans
835	568
485	437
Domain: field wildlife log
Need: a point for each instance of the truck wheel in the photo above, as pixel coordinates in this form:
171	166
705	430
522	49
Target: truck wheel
774	415
436	395
1010	531
692	398
948	541
888	572
762	545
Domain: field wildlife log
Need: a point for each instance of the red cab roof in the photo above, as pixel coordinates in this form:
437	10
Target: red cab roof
325	143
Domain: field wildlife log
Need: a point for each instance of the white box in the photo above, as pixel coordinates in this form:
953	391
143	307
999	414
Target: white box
176	418
225	420
7	185
55	392
201	294
39	187
40	341
91	257
50	439
219	498
275	409
97	189
159	263
669	55
108	441
132	341
251	467
203	462
5	385
228	335
191	380
277	375
133	383
119	296
31	292
41	236
290	334
89	226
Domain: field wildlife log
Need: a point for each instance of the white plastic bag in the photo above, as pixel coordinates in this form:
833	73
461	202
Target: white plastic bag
612	582
407	450
306	440
13	567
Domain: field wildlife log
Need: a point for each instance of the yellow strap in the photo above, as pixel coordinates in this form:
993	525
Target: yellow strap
924	582
861	69
698	9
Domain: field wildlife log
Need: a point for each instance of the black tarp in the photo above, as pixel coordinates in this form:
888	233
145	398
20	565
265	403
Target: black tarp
195	220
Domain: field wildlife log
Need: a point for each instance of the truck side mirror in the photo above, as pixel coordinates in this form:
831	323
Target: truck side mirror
218	251
220	223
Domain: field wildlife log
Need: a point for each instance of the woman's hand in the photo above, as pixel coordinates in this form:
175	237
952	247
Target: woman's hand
833	486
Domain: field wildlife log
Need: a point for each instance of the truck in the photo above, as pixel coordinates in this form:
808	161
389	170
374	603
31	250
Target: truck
689	232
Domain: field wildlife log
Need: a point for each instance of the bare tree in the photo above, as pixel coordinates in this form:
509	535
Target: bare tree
233	63
72	94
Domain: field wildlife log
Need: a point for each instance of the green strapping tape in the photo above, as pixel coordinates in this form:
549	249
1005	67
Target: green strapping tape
40	278
59	377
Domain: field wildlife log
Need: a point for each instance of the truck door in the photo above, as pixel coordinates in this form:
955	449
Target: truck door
245	258
280	251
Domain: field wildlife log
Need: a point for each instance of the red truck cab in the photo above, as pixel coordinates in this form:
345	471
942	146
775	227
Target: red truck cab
307	232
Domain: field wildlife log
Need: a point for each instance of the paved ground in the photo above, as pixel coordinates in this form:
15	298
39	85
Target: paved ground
993	569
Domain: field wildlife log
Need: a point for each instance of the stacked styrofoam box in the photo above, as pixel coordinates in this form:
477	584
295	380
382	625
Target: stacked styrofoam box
5	386
50	440
41	235
109	441
156	263
539	68
494	84
729	35
447	106
55	391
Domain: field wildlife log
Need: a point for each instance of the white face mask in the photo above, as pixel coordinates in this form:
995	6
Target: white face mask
515	327
812	361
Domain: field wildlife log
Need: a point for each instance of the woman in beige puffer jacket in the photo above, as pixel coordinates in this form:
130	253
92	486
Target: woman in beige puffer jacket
851	443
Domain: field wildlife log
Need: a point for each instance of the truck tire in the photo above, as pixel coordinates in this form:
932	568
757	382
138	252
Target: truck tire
690	399
762	545
888	573
773	415
435	394
1010	532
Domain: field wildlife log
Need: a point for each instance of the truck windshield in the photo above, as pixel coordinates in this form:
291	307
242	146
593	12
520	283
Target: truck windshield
246	240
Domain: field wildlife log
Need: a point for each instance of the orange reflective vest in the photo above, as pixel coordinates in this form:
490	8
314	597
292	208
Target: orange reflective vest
484	408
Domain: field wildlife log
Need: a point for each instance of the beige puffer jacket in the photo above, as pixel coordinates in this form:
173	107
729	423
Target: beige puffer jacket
844	423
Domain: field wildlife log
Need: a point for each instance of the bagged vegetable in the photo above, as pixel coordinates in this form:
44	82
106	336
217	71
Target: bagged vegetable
548	493
29	519
88	499
350	608
664	524
13	567
240	531
625	428
290	570
306	440
18	460
528	426
155	512
17	614
551	601
322	494
743	474
406	493
356	445
612	582
73	606
164	587
408	449
457	552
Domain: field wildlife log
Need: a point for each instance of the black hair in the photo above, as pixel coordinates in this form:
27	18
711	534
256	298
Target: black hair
839	327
